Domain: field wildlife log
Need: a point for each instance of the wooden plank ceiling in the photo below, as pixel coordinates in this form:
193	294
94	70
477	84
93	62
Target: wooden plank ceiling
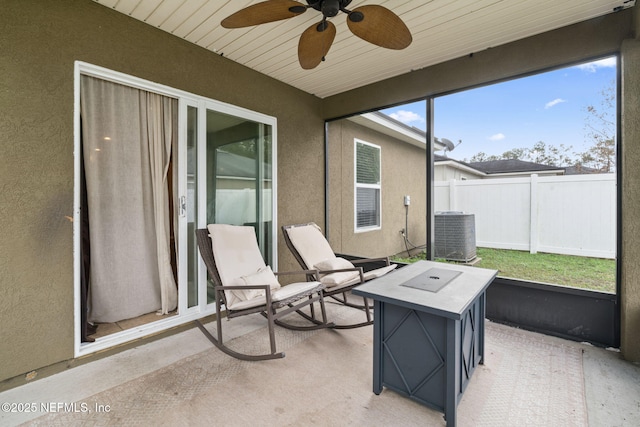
441	29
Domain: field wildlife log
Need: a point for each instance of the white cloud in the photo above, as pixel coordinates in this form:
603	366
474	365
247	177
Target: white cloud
592	67
554	102
407	117
497	137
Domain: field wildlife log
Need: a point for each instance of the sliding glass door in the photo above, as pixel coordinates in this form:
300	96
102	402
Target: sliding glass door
239	176
191	196
226	177
218	167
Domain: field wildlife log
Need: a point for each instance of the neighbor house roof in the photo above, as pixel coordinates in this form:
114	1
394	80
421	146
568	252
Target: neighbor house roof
579	170
387	125
511	166
457	164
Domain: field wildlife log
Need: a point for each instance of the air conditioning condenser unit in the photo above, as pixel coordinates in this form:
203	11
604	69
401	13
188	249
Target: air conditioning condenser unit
455	236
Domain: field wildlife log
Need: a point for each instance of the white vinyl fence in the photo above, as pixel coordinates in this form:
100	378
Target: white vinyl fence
570	215
234	206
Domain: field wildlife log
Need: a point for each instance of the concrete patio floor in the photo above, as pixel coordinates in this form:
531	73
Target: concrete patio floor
610	386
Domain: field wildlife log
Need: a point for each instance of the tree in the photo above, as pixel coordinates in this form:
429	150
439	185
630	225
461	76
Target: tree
601	130
481	157
515	153
600	125
539	153
548	154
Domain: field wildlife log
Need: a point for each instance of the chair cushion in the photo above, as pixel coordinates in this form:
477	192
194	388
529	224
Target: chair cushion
339	278
236	251
310	243
263	276
368	275
284	293
237	254
289	291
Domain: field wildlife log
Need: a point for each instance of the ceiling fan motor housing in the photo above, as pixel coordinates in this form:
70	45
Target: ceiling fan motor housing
329	8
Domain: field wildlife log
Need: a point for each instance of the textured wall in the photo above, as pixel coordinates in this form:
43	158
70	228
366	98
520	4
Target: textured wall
39	42
403	173
630	293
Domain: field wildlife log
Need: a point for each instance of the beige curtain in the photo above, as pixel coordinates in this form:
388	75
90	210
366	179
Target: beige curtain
127	135
161	114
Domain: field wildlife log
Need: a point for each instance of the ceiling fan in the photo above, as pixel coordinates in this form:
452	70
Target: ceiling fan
373	23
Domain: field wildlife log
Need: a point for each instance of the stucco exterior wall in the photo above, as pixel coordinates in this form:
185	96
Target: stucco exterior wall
403	173
630	292
39	42
444	172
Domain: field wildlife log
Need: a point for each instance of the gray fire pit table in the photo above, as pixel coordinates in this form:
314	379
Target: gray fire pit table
428	331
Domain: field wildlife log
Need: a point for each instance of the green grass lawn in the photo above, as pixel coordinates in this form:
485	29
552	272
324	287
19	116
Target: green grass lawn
578	272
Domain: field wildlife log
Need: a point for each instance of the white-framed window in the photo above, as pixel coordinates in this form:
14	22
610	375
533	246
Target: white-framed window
367	200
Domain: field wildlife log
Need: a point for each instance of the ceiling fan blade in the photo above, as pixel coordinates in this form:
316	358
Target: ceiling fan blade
263	12
315	44
380	26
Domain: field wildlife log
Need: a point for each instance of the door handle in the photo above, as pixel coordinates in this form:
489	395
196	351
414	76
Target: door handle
183	206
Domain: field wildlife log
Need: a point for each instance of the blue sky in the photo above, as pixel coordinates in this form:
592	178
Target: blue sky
548	107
